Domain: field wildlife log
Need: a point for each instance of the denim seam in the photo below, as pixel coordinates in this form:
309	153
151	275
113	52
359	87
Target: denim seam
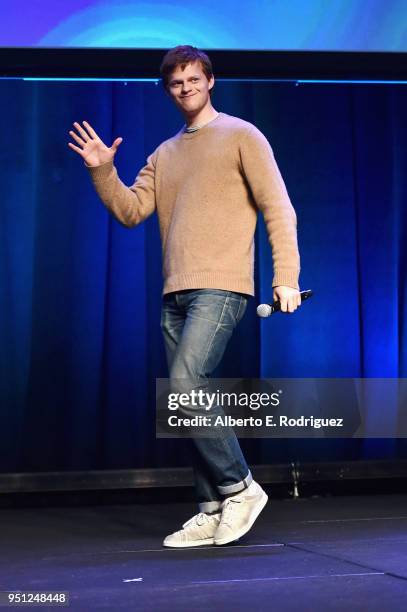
239	309
237	463
214	334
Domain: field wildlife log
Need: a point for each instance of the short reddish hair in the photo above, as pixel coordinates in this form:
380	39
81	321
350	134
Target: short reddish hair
182	56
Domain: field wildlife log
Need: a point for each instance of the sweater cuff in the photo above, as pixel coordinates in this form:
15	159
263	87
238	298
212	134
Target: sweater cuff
100	173
288	278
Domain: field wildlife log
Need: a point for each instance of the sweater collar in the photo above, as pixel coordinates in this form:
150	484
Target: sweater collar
187	135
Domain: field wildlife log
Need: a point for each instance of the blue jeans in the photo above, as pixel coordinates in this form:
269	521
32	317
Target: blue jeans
197	325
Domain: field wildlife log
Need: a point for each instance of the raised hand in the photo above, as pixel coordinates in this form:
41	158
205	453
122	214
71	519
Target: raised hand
91	148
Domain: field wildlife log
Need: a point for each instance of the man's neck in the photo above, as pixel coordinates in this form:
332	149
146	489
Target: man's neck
203	117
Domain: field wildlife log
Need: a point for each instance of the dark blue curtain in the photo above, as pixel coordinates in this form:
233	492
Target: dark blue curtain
80	296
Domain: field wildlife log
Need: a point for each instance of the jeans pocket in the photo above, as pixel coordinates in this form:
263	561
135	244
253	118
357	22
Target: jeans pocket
242	308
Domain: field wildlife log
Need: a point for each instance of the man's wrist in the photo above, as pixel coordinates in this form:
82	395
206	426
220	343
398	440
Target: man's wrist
286	278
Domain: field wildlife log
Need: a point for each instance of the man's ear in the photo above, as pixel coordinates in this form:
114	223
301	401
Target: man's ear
211	82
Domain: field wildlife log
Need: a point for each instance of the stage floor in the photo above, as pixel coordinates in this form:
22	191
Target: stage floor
335	553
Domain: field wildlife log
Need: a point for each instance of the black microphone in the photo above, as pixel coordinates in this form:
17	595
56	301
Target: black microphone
265	310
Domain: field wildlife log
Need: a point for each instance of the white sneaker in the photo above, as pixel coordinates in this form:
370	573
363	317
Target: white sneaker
239	513
198	531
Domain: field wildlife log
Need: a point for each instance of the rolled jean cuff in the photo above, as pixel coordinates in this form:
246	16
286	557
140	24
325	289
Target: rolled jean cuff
210	506
237	486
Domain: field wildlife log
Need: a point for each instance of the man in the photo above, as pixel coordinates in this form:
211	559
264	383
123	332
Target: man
207	183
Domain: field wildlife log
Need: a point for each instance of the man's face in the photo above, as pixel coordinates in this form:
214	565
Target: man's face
189	88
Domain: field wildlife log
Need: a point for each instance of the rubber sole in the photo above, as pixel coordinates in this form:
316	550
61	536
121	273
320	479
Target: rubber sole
207	542
248	526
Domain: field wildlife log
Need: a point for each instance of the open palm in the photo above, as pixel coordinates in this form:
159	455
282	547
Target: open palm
91	148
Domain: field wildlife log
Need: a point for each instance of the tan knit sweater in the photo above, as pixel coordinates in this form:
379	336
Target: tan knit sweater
207	187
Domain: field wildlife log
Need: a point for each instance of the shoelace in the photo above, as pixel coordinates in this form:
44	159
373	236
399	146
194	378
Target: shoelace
199	519
228	509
